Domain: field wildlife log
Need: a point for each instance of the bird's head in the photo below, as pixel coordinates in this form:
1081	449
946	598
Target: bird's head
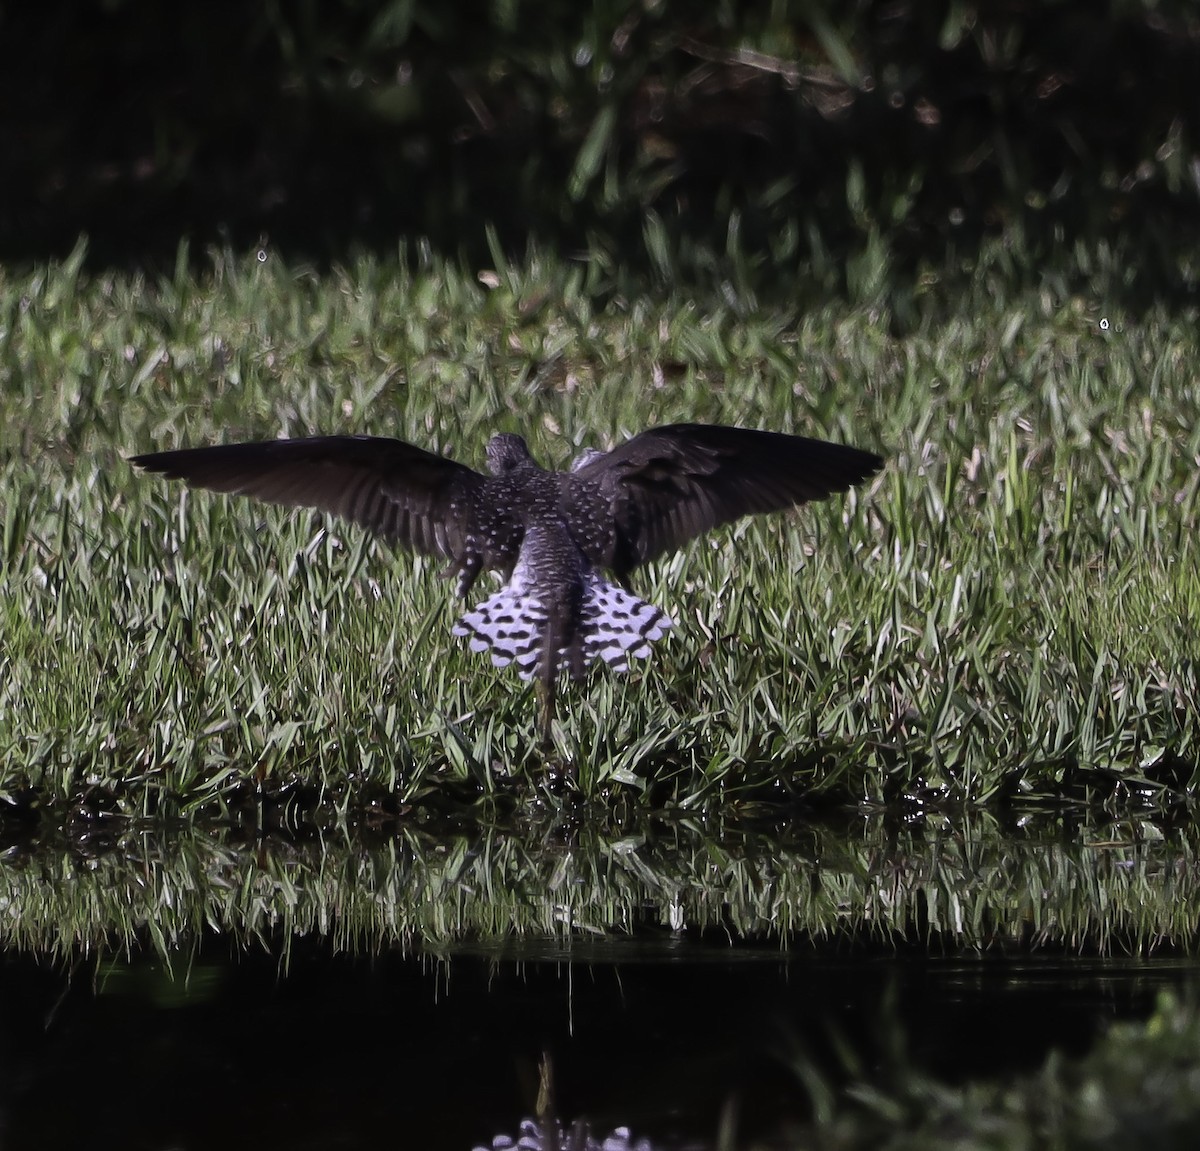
506	452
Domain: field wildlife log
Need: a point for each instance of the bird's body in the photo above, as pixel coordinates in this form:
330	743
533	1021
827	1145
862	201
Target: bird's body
555	611
551	535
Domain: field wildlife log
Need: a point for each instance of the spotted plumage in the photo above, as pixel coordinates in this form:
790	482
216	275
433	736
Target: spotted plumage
551	535
557	613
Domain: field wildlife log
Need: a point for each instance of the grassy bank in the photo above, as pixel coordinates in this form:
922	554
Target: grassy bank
1008	611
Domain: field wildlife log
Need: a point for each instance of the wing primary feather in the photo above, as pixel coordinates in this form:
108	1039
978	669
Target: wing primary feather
670	484
385	485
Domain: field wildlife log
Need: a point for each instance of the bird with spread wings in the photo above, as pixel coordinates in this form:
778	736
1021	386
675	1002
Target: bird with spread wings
551	535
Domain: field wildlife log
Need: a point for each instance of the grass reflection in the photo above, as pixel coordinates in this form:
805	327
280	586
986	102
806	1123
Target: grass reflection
970	886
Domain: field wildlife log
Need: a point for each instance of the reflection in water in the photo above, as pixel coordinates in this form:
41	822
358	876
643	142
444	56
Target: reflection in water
346	1052
311	994
953	888
550	1135
547	1133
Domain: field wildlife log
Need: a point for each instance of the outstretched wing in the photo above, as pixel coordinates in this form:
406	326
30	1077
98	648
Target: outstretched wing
392	488
662	488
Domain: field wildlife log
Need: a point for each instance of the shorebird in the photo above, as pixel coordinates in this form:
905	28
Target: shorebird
551	535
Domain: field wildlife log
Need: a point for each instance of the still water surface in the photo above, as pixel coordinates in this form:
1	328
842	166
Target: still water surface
194	991
396	1051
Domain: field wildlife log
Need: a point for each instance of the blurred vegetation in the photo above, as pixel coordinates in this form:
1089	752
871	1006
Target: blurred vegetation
1137	1088
671	139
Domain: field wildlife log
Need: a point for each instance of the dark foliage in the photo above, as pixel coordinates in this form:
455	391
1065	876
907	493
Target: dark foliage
774	133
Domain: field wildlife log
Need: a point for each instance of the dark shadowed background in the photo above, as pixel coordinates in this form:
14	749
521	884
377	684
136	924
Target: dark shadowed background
775	137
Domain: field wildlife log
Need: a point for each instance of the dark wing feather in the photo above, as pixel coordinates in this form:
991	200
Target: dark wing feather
670	484
392	488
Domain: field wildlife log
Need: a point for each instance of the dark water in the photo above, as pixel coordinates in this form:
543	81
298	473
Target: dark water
396	1051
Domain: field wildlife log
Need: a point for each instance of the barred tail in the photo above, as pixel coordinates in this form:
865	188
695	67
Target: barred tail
518	626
